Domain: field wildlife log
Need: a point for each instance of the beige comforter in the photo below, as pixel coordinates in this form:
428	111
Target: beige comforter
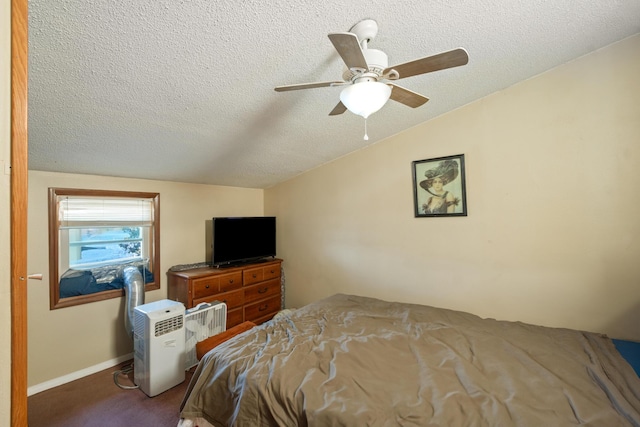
355	361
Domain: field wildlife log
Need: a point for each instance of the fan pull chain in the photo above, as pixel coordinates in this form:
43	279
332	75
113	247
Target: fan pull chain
366	137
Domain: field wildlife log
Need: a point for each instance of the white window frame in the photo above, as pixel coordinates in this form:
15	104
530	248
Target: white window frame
62	218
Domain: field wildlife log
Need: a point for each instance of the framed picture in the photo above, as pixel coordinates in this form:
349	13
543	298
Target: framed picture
439	187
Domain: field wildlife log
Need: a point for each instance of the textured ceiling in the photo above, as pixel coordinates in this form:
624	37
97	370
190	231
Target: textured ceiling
182	90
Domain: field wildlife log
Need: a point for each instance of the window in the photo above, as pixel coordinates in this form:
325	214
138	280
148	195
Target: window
93	236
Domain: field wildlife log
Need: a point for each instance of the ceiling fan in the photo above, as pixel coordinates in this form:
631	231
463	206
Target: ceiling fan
368	76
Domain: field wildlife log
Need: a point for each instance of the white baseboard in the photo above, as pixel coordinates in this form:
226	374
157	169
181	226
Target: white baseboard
77	374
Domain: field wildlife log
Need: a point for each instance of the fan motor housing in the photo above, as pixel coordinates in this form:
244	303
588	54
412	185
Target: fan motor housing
377	61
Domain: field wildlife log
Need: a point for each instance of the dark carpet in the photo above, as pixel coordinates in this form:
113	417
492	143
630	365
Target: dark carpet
96	400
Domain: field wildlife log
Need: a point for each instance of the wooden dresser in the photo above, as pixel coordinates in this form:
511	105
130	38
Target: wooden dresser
251	291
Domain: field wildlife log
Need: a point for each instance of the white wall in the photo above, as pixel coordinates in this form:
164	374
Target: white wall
553	231
64	341
5	264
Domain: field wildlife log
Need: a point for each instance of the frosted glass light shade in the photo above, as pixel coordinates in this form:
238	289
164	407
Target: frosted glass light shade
365	98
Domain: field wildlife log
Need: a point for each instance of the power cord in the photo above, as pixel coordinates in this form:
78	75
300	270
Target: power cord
124	371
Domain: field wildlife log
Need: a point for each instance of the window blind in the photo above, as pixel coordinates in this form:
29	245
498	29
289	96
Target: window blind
89	211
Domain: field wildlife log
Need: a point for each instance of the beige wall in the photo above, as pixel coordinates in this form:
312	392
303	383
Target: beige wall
67	340
5	265
552	235
553	231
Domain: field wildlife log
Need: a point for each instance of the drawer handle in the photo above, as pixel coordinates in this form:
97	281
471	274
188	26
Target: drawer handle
254	276
273	271
263	290
231	281
206	286
263	307
224	301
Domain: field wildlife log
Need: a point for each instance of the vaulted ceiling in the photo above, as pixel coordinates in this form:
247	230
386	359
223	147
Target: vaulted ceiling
183	90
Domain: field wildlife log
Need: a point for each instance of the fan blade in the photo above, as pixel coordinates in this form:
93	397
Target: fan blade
349	49
309	86
338	109
441	61
406	96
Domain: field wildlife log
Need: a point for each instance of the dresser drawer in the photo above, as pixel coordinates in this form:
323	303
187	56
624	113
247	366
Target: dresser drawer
229	282
271	272
253	275
205	287
262	308
262	290
234	317
233	299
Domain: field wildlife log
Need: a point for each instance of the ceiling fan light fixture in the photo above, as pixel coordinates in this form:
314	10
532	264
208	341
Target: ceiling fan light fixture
365	98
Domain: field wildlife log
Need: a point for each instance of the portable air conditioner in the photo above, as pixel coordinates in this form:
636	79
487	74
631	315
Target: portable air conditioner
201	322
158	341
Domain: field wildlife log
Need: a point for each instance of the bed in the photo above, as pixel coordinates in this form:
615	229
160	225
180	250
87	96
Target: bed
349	360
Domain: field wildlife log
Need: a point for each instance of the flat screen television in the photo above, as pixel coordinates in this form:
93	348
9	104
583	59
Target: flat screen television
238	240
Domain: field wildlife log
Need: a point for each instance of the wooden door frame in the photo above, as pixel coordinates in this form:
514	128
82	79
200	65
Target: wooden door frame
18	210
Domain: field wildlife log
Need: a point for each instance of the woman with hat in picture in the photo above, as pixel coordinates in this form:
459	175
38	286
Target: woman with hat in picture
440	201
